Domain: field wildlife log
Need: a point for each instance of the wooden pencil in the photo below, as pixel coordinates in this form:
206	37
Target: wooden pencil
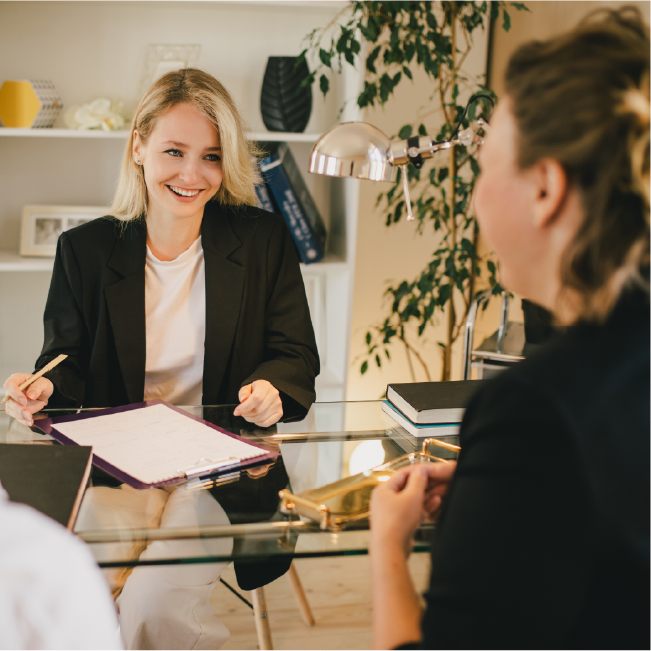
45	369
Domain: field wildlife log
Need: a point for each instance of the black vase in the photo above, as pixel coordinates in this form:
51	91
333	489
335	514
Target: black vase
285	106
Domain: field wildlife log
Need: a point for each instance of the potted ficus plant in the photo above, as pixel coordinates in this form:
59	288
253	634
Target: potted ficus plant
436	37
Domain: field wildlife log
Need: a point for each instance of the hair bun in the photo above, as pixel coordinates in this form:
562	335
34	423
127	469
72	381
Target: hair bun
634	101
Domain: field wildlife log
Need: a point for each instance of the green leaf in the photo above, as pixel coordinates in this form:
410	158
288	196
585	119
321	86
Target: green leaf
405	132
371	58
368	338
386	352
506	24
324	84
422	131
325	57
368	95
364	367
520	6
431	21
342	42
490	265
409	49
407	72
378	361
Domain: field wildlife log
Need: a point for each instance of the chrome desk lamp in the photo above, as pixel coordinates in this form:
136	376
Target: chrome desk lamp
361	151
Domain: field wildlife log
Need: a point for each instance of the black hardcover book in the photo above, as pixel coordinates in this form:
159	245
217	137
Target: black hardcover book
50	478
433	402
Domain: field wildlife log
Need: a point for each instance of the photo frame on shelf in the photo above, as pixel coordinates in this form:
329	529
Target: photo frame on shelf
161	59
42	226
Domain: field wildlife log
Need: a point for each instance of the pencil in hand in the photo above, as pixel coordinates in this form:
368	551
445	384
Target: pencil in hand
45	369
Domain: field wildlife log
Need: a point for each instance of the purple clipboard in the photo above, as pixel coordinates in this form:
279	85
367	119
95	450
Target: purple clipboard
48	426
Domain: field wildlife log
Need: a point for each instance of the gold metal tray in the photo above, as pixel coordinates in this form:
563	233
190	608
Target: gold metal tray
343	502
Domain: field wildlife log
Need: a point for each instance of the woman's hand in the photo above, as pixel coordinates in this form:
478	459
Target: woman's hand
23	405
410	497
260	403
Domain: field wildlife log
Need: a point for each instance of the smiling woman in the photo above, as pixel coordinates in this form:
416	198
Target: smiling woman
187	293
182	176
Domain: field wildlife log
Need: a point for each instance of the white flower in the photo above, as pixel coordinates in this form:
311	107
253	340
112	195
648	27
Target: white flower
99	114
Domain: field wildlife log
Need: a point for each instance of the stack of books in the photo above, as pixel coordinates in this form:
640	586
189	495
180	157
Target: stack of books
429	408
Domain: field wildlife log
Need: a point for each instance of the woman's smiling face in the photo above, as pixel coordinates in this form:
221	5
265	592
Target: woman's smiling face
181	162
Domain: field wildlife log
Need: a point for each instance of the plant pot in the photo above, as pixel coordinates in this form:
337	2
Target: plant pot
283	104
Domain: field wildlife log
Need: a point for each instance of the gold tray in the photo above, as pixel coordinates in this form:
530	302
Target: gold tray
336	505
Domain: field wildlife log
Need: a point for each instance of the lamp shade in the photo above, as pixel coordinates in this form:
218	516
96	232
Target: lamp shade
353	149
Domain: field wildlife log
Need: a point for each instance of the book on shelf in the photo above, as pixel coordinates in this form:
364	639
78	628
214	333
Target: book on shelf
263	197
425	403
420	431
287	190
50	478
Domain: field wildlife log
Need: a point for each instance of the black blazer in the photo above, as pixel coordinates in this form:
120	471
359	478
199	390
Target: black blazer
257	319
543	542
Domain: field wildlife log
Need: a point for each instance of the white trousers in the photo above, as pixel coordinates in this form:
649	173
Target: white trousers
160	607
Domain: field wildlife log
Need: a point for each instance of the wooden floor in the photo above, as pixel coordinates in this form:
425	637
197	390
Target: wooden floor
339	593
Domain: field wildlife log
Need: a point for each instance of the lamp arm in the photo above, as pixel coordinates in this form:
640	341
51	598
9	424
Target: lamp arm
402	152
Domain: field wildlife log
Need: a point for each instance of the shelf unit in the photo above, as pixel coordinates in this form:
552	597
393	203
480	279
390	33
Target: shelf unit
59	166
269	136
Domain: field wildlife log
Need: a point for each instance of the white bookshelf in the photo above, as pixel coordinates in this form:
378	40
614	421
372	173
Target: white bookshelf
91	50
10	261
332	5
97	134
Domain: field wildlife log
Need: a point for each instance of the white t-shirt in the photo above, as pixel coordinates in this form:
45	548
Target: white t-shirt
175	321
52	594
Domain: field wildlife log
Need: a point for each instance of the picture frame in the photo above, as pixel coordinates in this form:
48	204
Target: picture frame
42	225
161	59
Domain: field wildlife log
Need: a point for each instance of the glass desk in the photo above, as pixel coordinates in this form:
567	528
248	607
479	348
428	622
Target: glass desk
334	441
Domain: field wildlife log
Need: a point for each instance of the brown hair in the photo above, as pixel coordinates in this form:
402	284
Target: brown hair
583	99
210	99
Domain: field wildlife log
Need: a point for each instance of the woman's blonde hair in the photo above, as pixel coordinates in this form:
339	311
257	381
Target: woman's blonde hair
212	101
583	99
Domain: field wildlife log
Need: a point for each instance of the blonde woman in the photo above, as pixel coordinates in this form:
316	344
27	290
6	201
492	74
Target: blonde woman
543	539
186	293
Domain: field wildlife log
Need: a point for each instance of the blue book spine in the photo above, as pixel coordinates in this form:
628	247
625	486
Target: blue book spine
263	198
309	241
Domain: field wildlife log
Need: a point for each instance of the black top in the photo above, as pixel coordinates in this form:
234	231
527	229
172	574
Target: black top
544	538
257	319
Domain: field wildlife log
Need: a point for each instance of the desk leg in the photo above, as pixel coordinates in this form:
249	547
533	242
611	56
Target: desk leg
301	599
261	617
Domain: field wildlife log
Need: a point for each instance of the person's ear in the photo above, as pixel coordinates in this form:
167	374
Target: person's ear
550	186
137	148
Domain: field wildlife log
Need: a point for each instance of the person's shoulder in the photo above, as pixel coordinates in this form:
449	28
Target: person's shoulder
101	229
24	532
71	593
585	379
244	212
250	222
94	242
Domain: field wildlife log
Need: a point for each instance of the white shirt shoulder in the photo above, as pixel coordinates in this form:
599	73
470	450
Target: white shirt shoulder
52	594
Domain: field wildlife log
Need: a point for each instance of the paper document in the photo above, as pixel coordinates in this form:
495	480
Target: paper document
155	443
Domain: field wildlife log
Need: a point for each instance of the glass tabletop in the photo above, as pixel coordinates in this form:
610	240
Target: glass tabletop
241	520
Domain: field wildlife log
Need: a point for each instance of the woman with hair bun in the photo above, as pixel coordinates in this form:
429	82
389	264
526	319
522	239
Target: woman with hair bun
543	534
188	293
